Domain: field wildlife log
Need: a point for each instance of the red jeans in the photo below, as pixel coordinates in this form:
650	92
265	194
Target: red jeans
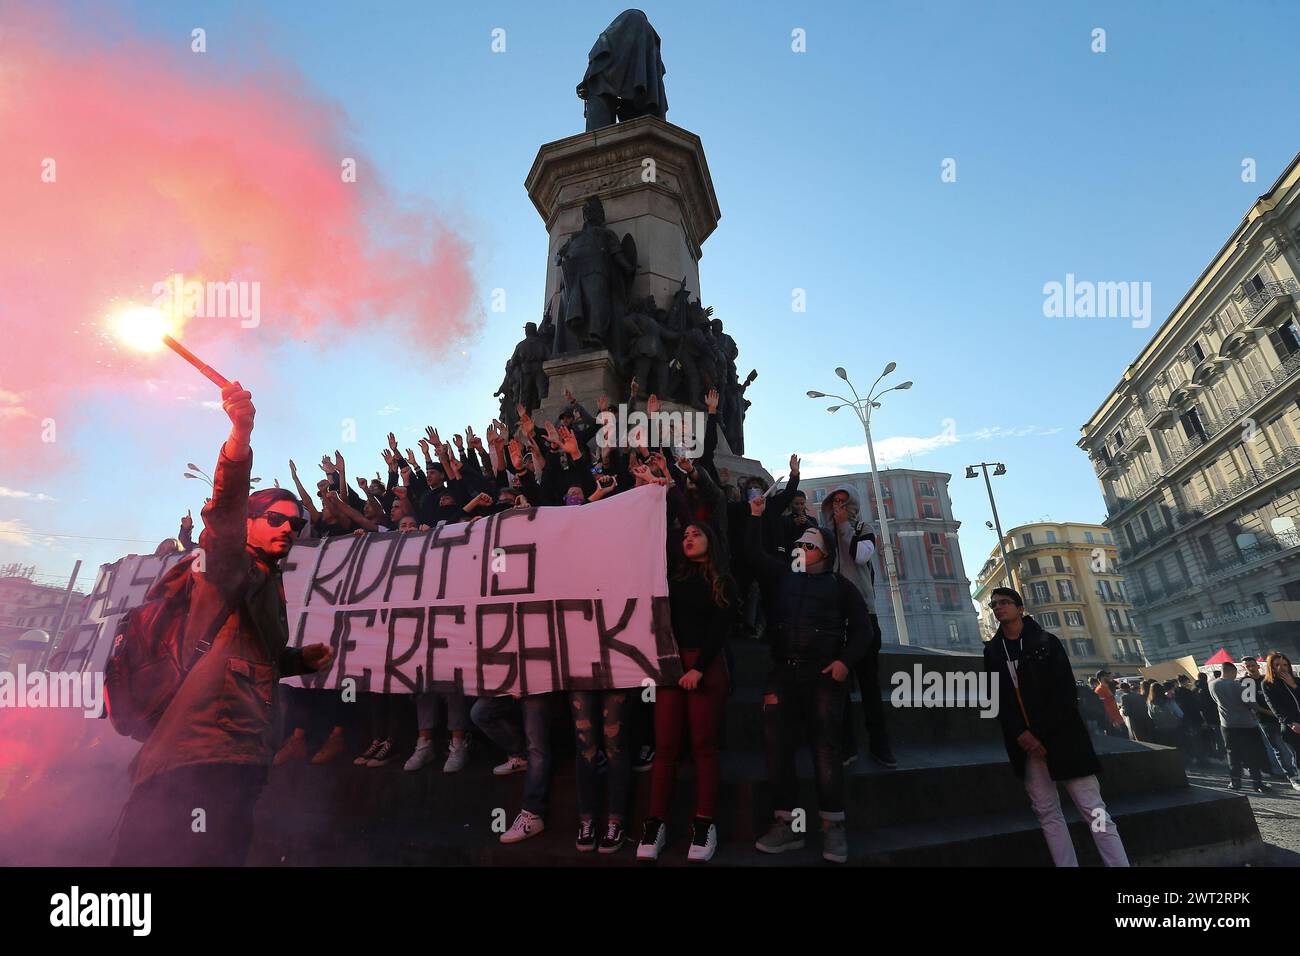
700	710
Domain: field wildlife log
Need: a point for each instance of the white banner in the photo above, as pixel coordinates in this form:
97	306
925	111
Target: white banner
521	602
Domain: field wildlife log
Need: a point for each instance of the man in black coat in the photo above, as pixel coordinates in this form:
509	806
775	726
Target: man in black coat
1045	737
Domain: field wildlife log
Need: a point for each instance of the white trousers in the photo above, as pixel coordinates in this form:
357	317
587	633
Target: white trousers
1086	794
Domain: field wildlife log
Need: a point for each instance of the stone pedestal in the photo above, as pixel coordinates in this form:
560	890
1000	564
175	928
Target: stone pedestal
654	183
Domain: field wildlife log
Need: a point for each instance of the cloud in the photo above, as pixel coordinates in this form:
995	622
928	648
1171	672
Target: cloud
897	449
14	532
15	493
388	410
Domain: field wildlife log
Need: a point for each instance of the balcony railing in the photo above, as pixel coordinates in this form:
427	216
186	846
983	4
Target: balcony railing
1264	547
1154	410
1260	301
1232	416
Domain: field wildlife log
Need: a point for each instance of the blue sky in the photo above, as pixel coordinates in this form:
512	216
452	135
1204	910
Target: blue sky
1115	166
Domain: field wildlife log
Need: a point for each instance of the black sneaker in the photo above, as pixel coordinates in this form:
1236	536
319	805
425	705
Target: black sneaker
602	761
653	835
644	759
612	841
1262	787
883	755
704	841
1235	785
586	841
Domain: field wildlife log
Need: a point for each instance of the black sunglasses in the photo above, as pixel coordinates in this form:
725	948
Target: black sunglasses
275	519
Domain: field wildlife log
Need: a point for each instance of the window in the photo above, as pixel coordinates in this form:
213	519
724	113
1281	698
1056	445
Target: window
1066	590
1228	607
1103	590
1088	536
1074	618
1033	567
1042	594
1286	339
1119	438
1049	619
927	510
1051	537
1195	352
935	538
1260	600
1106	539
819	494
926	489
1058	564
1192	427
1027	540
1082	647
954	633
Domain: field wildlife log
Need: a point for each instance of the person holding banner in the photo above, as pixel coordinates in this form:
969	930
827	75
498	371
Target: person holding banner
208	755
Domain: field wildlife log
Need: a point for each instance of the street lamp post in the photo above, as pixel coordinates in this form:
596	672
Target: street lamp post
998	469
863	407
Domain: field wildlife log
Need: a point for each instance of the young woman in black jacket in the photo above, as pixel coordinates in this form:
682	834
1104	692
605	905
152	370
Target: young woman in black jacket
703	602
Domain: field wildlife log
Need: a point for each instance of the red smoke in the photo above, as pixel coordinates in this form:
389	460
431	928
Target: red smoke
168	162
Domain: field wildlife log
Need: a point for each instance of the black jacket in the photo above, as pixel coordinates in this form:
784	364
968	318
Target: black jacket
815	617
1050	696
1282	701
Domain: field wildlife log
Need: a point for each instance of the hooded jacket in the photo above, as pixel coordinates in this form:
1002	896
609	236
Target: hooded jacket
855	545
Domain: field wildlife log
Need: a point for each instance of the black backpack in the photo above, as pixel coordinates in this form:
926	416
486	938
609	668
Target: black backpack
146	665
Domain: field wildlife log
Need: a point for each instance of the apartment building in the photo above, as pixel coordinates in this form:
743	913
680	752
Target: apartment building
1067	574
1196	450
931	575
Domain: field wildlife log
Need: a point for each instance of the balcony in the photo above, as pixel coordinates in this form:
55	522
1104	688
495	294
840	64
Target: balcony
1262	305
1289	457
1265	547
1156	412
1105	469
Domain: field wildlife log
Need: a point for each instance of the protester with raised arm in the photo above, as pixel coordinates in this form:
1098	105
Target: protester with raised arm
211	748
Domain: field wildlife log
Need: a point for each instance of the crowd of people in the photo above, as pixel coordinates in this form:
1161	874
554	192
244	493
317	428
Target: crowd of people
744	559
1244	715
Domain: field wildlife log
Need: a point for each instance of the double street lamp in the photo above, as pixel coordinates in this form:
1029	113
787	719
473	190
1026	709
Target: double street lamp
863	408
998	469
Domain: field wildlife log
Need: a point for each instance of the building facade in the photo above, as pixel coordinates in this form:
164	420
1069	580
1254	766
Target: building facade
25	605
1197	450
1068	577
931	575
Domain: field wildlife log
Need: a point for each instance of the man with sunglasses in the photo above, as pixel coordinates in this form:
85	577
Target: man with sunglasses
819	629
1038	708
196	779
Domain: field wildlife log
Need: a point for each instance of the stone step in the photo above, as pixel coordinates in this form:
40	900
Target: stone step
931	784
1177	826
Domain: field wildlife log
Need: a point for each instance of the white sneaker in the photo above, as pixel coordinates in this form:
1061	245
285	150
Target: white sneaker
704	841
653	836
512	765
457	756
1295	783
422	757
526	825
